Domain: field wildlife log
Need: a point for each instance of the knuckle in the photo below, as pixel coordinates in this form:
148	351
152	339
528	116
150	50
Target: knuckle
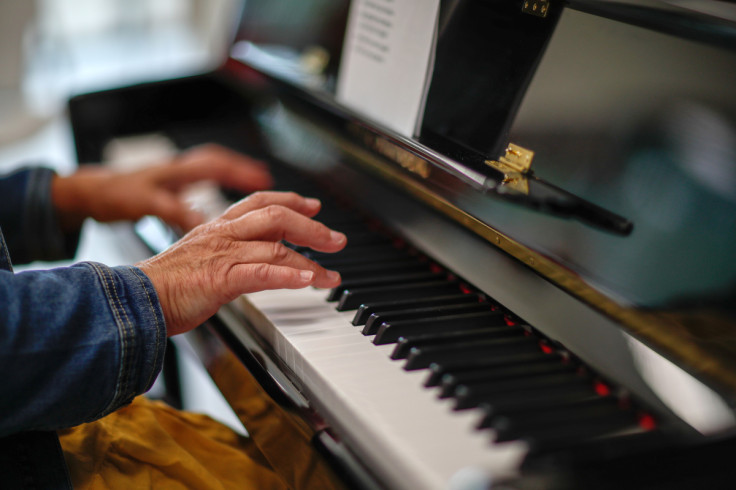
274	212
216	227
279	251
219	235
257	199
262	273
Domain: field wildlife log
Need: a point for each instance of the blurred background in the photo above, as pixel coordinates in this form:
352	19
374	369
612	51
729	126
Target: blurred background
52	49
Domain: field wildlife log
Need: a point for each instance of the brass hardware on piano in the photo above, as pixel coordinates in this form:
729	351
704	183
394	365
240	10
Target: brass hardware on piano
519	185
518	159
536	7
516	165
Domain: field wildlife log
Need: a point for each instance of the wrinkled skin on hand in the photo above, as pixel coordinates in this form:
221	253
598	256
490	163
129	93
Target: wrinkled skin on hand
241	252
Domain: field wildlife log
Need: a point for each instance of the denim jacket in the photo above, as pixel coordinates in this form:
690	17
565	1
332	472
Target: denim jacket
76	343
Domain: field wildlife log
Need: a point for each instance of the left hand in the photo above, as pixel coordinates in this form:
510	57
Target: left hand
107	195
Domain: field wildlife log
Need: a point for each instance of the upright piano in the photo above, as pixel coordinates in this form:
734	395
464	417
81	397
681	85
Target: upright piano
539	285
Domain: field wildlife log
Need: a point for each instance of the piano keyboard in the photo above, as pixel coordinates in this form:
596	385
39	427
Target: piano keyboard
432	382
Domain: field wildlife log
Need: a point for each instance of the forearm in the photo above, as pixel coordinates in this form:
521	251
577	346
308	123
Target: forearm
76	344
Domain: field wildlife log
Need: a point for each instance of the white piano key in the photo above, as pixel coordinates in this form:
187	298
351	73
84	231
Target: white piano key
404	432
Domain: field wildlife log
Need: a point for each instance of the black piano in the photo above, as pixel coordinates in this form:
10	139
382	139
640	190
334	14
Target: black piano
539	290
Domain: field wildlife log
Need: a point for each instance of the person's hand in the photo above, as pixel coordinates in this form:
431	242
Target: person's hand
241	252
106	195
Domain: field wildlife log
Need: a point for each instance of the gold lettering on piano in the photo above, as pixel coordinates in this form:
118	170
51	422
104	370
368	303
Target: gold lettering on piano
404	158
536	7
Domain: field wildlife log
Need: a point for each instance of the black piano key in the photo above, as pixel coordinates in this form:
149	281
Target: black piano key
373	256
558	437
516	425
382	280
352	299
405	344
348	228
356	236
389	332
422	357
366	252
537	400
366	310
364	238
335	216
376	319
497	415
402	266
437	370
545	367
472	395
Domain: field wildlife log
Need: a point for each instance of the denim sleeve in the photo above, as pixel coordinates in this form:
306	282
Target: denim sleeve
75	344
29	220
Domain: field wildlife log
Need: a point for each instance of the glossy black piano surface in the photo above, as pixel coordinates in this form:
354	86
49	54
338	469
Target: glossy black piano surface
605	271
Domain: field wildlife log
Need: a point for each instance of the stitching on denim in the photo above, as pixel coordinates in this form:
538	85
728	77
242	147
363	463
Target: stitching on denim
122	374
116	314
4	247
137	274
128	353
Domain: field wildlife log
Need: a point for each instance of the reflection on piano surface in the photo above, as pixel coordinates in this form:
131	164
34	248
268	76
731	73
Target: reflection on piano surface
568	325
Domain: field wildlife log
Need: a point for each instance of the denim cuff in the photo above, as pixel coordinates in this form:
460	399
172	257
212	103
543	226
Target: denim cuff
141	329
41	214
29	218
40	217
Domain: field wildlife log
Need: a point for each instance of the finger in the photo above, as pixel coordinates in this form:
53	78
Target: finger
249	278
277	253
302	205
276	223
214	162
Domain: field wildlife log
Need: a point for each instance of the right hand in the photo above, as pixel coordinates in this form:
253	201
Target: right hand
99	192
241	252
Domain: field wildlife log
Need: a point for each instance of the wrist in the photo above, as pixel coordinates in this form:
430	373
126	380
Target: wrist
67	201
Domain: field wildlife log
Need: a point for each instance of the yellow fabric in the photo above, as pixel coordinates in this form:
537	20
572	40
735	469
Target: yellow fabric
281	436
148	444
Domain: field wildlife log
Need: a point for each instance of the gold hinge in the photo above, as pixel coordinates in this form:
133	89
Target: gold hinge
516	165
536	7
518	159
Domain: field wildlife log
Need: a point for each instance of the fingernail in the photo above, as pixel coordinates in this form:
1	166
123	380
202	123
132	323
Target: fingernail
336	236
312	202
306	275
333	275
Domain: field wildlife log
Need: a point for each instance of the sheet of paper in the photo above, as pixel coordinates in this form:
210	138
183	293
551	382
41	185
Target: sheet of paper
387	60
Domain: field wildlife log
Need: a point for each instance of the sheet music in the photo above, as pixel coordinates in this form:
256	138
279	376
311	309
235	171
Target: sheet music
387	60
